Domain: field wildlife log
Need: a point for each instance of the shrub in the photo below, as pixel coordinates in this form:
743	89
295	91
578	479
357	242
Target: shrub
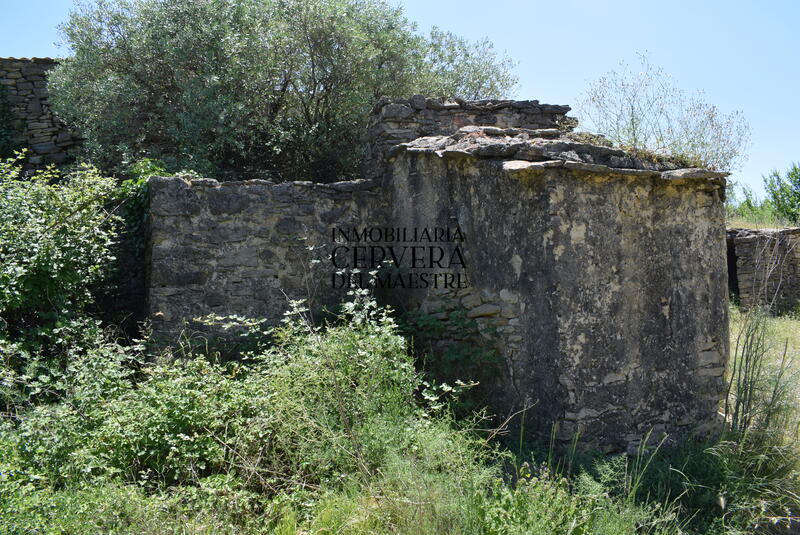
323	432
472	362
108	507
280	88
55	238
750	210
55	244
332	431
120	298
318	405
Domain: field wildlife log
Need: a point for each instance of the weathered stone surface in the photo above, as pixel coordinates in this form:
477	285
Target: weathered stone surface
620	318
23	84
599	276
764	267
679	174
487	309
242	247
397	121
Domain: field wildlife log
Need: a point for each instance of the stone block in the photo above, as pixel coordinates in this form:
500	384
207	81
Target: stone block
484	310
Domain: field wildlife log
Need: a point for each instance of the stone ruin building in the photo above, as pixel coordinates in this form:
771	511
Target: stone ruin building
598	277
601	277
764	267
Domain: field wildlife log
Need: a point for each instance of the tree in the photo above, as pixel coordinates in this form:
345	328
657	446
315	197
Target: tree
252	88
640	109
784	192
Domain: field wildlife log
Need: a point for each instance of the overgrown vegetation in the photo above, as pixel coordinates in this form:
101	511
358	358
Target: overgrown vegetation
780	208
467	361
745	210
319	429
784	193
640	110
275	89
55	239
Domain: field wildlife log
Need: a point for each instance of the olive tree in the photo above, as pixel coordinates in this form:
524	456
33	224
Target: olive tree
275	88
641	109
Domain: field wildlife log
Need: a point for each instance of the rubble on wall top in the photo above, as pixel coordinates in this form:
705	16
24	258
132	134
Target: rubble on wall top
420	102
527	150
343	186
31	60
753	233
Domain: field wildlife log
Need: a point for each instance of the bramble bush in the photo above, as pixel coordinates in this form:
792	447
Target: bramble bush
331	429
55	247
315	407
55	240
327	430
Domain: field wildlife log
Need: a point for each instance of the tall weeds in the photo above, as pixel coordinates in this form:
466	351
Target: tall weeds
759	457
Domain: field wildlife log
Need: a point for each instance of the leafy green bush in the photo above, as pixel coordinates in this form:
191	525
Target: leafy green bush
55	245
332	431
120	299
314	407
468	358
55	240
29	507
784	192
323	430
277	88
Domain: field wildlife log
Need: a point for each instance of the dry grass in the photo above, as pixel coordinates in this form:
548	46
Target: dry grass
753	223
781	330
770	388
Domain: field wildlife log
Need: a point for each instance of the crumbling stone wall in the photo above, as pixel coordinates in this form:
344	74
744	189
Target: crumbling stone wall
243	248
395	121
610	309
600	277
24	85
764	267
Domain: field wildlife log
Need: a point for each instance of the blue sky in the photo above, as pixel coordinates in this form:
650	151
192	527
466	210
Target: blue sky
743	55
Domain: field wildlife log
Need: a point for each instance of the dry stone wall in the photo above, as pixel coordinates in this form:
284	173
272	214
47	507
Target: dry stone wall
610	310
395	121
599	277
243	248
23	83
765	267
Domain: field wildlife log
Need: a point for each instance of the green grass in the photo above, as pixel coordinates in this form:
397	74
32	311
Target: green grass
783	333
333	431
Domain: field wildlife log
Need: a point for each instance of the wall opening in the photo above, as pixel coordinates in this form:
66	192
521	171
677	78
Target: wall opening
733	276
